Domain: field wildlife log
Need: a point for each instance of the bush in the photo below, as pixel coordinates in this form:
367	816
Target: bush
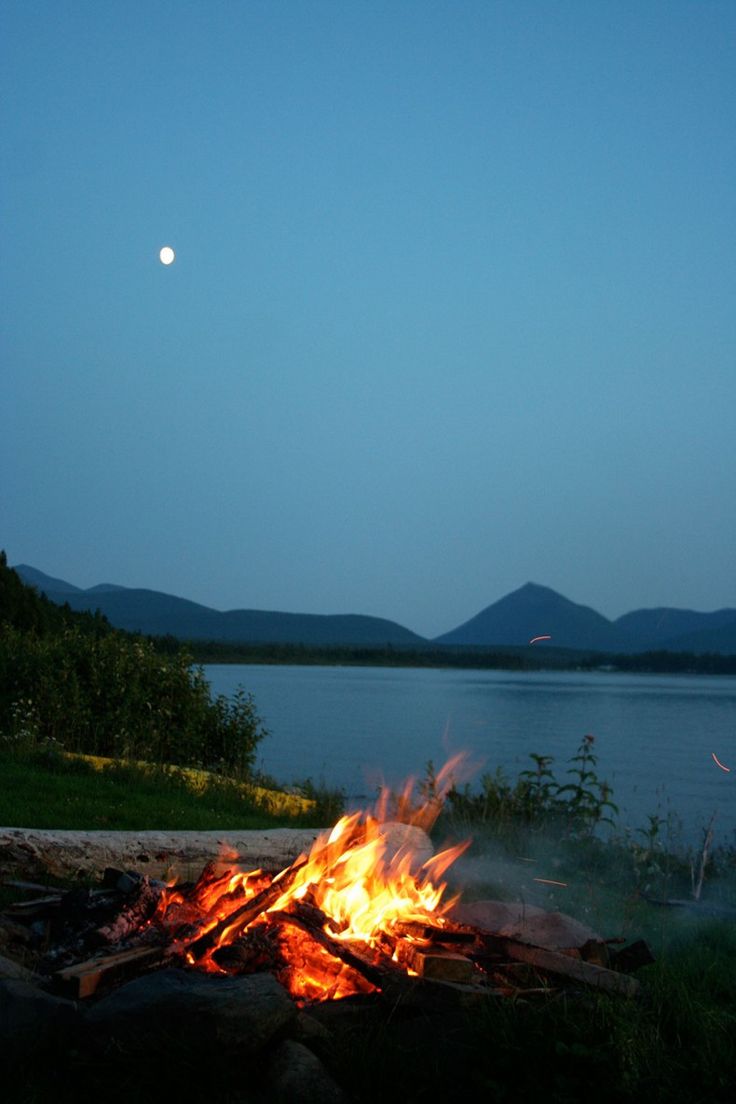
112	694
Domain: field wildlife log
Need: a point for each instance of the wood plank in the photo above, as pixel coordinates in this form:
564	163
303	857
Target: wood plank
434	963
83	979
563	965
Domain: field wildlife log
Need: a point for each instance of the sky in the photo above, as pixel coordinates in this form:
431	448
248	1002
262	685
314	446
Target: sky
452	307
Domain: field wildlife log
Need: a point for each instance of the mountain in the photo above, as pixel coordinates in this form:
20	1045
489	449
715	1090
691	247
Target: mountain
514	620
659	628
45	583
157	614
531	611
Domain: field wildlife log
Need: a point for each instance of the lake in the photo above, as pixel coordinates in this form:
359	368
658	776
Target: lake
351	727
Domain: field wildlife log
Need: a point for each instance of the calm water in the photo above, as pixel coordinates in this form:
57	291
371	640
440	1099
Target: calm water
350	727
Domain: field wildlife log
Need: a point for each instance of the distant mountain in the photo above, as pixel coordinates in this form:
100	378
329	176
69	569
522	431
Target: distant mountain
657	628
45	583
158	614
535	610
514	620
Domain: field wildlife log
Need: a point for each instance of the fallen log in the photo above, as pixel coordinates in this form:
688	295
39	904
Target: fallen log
73	854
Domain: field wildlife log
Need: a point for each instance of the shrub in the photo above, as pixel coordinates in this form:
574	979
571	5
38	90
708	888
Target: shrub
113	694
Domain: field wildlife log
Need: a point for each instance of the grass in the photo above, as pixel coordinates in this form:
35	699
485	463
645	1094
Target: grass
50	790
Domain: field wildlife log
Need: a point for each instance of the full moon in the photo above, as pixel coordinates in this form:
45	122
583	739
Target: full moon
167	255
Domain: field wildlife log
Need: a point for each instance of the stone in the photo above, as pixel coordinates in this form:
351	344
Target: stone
406	838
294	1073
192	1012
33	1021
552	930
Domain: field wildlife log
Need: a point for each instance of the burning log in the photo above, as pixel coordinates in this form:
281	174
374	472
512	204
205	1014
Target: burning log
435	963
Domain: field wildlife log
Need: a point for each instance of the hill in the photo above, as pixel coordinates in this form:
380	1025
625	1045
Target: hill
678	630
157	614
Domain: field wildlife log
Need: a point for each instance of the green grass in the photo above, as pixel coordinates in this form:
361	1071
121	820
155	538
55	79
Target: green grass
42	790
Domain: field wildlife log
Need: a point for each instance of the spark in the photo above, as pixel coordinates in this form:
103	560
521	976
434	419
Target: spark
550	881
544	636
718	764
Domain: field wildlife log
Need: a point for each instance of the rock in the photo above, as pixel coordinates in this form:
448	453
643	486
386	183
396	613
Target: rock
32	1021
406	838
191	1012
553	930
294	1073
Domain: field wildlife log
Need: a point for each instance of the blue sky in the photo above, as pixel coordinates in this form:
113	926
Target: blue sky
453	304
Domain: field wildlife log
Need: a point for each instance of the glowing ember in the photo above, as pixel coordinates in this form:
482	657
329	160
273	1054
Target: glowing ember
353	891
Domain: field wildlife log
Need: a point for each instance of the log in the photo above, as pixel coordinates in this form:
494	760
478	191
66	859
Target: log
554	962
435	963
238	920
85	978
384	975
73	854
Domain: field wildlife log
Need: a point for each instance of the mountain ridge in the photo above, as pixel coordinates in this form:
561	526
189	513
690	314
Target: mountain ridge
532	611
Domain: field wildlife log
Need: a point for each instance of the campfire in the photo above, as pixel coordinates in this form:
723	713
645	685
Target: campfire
364	913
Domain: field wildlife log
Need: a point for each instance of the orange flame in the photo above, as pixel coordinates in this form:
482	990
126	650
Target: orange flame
355	879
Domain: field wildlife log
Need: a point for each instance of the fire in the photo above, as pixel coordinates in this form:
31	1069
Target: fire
353	891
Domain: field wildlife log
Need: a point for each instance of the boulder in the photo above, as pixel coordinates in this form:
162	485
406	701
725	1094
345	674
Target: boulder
294	1073
527	923
191	1012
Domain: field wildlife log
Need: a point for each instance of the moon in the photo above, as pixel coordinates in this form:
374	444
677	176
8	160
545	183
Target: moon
167	255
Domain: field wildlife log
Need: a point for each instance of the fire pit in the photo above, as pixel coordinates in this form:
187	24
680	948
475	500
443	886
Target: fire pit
364	916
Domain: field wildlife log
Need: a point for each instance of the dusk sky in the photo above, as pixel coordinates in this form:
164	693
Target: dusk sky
453	305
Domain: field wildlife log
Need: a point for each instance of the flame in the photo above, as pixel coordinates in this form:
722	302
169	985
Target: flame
354	884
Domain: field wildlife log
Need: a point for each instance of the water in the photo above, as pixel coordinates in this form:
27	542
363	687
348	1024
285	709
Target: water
352	727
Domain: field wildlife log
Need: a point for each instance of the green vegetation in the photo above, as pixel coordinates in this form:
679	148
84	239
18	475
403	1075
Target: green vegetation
70	680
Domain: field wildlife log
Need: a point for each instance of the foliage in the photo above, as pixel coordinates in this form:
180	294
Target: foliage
537	799
71	680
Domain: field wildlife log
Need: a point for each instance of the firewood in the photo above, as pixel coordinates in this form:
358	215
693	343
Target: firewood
246	914
38	906
27	887
556	963
83	979
134	915
381	973
434	963
433	933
